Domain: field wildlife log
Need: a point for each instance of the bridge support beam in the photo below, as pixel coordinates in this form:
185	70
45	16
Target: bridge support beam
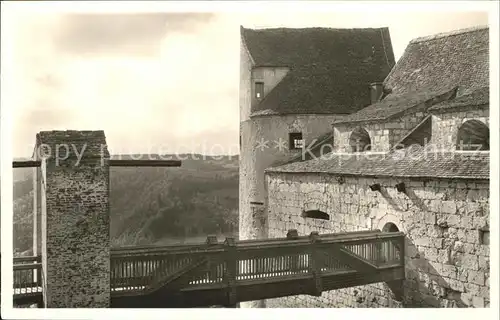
315	264
255	213
397	288
37	211
75	221
231	272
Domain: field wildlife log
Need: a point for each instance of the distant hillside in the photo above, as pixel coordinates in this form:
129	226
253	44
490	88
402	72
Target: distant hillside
21	174
151	204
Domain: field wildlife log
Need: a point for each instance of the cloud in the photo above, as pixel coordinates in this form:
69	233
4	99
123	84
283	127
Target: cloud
187	89
166	80
48	81
119	34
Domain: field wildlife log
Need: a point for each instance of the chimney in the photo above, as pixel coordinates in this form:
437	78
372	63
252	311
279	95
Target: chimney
376	91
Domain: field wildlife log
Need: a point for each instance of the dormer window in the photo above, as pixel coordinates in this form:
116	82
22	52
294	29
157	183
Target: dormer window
296	141
259	90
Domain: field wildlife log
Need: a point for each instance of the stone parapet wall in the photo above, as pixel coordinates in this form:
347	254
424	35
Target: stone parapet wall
446	223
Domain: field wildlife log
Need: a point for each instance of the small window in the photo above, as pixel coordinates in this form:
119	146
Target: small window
316	214
296	141
259	90
484	237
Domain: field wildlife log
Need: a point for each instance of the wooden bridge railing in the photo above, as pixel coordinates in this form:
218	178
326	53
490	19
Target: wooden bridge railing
142	269
27	275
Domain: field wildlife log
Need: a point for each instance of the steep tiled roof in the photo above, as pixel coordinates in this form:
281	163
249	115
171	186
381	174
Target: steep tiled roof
72	144
459	58
430	67
479	97
396	104
330	69
414	163
322	144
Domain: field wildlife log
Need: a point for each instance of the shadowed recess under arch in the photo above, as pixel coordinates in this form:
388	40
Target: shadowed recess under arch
390	227
473	135
359	140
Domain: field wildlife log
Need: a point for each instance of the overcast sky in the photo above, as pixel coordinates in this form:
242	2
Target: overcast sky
157	82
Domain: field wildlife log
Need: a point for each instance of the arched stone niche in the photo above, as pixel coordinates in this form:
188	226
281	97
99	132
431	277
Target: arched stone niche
386	221
472	135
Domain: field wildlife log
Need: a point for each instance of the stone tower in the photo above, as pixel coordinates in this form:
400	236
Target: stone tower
294	83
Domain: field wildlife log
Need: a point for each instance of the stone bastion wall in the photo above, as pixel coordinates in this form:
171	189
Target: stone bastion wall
447	234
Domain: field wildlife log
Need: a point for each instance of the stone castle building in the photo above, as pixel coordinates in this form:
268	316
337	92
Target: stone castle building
337	137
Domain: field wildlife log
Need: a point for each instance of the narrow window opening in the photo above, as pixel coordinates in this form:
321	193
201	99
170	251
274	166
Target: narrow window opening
316	214
259	90
296	141
484	237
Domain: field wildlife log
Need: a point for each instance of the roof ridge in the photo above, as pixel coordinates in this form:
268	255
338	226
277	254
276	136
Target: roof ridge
411	100
448	34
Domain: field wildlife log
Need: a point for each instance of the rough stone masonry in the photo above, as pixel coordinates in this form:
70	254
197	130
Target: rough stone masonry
75	219
446	226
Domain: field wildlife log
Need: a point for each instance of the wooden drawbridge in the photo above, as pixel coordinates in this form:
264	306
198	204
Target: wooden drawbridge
226	273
